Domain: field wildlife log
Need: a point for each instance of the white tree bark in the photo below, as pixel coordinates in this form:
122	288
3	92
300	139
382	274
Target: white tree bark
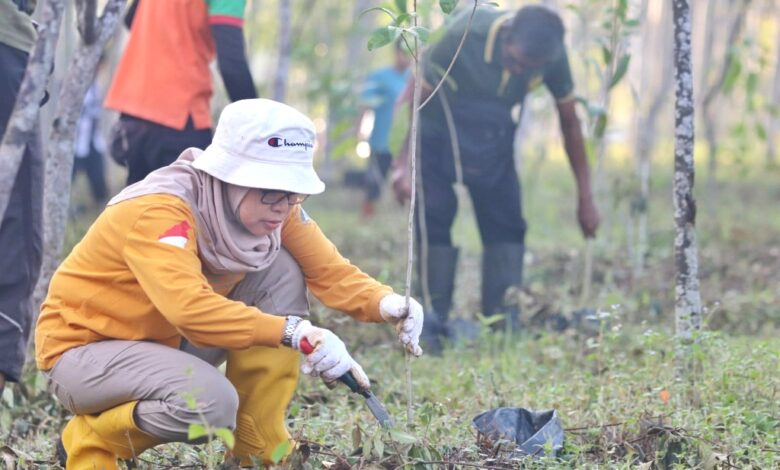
283	63
59	155
687	295
24	118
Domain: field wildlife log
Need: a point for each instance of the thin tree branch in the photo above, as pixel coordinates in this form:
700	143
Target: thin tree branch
410	225
454	57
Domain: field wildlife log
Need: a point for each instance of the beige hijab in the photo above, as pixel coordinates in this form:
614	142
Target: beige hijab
224	244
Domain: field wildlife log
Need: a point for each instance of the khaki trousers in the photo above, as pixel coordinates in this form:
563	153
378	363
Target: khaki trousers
167	382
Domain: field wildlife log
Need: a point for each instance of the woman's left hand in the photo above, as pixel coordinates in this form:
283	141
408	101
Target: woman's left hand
408	325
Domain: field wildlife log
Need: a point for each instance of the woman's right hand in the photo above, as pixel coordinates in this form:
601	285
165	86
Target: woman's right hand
329	359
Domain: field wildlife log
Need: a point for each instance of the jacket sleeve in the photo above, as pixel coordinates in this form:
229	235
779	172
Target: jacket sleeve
335	281
161	251
231	58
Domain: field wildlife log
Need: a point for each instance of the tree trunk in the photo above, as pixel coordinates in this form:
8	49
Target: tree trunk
687	295
21	125
59	155
283	64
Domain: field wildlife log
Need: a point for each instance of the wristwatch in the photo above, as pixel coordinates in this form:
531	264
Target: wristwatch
289	328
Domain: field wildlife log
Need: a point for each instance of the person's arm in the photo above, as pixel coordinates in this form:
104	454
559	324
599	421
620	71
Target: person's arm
587	214
231	59
226	19
161	252
335	281
559	81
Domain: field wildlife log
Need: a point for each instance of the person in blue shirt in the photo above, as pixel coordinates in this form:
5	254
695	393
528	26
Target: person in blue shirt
380	91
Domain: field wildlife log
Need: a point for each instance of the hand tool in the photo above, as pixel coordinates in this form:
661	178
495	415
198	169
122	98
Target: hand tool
374	405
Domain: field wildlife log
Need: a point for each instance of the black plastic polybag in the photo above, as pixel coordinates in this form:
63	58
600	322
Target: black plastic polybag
530	430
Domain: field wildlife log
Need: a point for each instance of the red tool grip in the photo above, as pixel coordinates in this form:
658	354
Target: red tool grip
306	346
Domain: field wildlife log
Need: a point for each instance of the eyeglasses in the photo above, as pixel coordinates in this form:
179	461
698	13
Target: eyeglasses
275	197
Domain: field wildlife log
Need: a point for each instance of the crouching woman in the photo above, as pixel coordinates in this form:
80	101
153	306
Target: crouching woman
205	260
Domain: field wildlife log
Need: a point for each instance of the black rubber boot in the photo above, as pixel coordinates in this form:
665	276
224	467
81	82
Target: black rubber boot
502	267
442	262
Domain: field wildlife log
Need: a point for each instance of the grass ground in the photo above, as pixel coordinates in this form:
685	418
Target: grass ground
611	381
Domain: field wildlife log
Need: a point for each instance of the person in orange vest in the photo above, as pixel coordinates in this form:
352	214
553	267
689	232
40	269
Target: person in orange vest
205	259
163	86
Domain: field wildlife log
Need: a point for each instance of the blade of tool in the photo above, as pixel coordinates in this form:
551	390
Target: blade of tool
379	411
373	403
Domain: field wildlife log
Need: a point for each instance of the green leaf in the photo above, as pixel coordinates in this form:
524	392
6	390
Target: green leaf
448	5
632	23
601	126
606	55
486	321
367	448
400	5
622	9
751	83
382	9
761	131
344	148
280	451
421	32
382	37
735	70
226	436
436	35
295	409
402	437
379	446
620	70
357	437
196	431
8	397
403	18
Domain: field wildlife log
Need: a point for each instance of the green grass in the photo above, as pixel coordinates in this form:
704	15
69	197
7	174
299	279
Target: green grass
612	383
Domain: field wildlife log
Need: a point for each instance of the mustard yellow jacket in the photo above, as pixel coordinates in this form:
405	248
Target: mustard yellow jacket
128	279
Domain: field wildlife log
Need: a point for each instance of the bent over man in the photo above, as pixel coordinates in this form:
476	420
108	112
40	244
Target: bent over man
505	55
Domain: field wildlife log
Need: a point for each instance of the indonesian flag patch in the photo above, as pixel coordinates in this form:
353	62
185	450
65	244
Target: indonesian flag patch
176	235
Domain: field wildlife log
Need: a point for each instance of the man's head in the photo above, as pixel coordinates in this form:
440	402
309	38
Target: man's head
402	57
531	40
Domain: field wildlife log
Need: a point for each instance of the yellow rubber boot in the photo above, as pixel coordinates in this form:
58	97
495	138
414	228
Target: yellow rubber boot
118	429
265	379
96	441
85	449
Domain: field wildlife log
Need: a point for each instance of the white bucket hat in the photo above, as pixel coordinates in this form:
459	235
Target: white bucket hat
264	144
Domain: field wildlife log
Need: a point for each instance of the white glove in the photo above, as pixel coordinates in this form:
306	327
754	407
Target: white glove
330	359
392	307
